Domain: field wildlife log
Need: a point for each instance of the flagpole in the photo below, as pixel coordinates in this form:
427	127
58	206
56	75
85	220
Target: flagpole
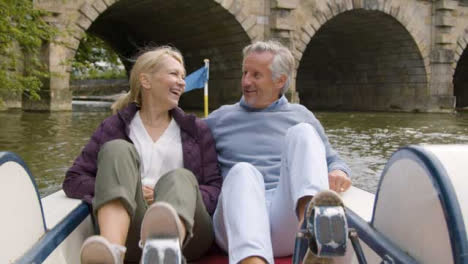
207	66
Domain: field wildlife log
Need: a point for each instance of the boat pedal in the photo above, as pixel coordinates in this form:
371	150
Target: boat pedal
162	251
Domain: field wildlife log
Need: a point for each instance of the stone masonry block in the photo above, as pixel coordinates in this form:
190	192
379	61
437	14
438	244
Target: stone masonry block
249	22
394	11
371	5
76	31
380	4
100	6
297	54
89	12
444	20
333	9
315	24
459	50
83	22
358	4
348	4
465	37
282	20
443	38
387	7
446	5
285	4
300	45
227	4
109	2
442	56
308	29
241	17
305	38
235	8
327	13
263	20
254	33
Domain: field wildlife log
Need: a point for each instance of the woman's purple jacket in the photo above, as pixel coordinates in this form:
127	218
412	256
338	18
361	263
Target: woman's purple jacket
198	147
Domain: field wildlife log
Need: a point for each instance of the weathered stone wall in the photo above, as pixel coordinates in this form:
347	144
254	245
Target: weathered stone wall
459	40
351	54
362	60
361	55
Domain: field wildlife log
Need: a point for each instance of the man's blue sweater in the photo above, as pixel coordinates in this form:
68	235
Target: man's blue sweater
257	136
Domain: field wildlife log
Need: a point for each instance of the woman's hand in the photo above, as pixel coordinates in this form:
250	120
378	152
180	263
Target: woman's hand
148	194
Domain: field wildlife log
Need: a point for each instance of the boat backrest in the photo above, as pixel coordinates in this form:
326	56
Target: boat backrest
22	221
422	201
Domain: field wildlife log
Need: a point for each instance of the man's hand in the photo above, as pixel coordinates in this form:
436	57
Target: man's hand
339	181
148	194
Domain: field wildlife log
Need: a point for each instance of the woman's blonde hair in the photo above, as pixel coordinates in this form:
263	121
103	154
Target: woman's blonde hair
148	62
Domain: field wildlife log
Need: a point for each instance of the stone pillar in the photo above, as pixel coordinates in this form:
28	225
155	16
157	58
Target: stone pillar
442	57
282	25
55	93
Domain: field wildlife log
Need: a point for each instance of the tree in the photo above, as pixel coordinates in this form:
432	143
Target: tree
23	31
95	59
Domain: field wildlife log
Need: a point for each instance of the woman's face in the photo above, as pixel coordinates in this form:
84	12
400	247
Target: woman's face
166	85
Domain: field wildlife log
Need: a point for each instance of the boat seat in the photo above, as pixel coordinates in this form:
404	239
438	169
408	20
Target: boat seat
23	222
421	204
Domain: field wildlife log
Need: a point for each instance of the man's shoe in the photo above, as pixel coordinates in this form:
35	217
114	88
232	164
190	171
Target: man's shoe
97	250
331	201
161	235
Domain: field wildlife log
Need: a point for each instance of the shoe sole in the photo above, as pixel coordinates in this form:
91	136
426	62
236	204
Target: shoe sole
160	221
96	250
323	198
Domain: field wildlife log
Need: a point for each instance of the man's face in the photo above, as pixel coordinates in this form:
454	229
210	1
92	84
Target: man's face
258	87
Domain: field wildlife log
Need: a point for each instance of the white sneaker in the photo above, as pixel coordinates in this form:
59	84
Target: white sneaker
161	235
97	250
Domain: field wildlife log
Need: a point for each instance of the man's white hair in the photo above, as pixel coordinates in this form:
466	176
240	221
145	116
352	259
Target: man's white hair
283	60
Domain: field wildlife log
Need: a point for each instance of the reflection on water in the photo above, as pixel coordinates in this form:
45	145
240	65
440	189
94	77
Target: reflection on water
49	142
367	140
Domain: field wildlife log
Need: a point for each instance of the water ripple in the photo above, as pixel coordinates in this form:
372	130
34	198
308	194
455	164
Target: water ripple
49	142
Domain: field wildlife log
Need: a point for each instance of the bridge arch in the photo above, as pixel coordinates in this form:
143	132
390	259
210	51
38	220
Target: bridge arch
128	25
460	77
362	55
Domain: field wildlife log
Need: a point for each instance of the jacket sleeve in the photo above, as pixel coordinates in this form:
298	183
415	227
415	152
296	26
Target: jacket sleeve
210	187
334	160
80	177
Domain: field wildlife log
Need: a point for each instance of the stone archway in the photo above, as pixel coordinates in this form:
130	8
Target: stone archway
460	77
128	25
361	58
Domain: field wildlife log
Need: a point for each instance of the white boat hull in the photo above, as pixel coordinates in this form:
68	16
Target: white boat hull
418	215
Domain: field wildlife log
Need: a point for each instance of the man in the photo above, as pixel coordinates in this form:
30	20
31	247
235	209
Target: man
274	158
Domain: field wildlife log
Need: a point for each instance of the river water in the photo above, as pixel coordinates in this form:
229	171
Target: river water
49	142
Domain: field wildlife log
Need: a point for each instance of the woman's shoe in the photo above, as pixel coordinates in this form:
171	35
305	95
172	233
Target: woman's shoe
161	235
97	250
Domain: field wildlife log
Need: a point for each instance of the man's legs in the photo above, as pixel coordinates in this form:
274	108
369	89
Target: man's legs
241	219
303	173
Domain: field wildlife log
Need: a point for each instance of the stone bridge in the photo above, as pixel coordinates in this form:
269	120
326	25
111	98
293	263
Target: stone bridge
398	55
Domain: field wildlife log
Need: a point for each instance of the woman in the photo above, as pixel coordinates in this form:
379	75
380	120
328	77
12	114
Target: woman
150	171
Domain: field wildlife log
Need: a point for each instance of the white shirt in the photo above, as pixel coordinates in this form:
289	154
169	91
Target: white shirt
160	157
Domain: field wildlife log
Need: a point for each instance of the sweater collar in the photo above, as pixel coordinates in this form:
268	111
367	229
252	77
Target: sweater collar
185	122
272	107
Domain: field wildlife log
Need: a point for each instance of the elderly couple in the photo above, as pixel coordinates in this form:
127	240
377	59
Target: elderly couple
243	177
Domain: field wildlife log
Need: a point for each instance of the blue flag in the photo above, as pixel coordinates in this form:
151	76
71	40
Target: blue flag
196	79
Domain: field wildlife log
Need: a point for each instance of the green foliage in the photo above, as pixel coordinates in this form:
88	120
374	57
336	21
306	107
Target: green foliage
22	34
96	60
